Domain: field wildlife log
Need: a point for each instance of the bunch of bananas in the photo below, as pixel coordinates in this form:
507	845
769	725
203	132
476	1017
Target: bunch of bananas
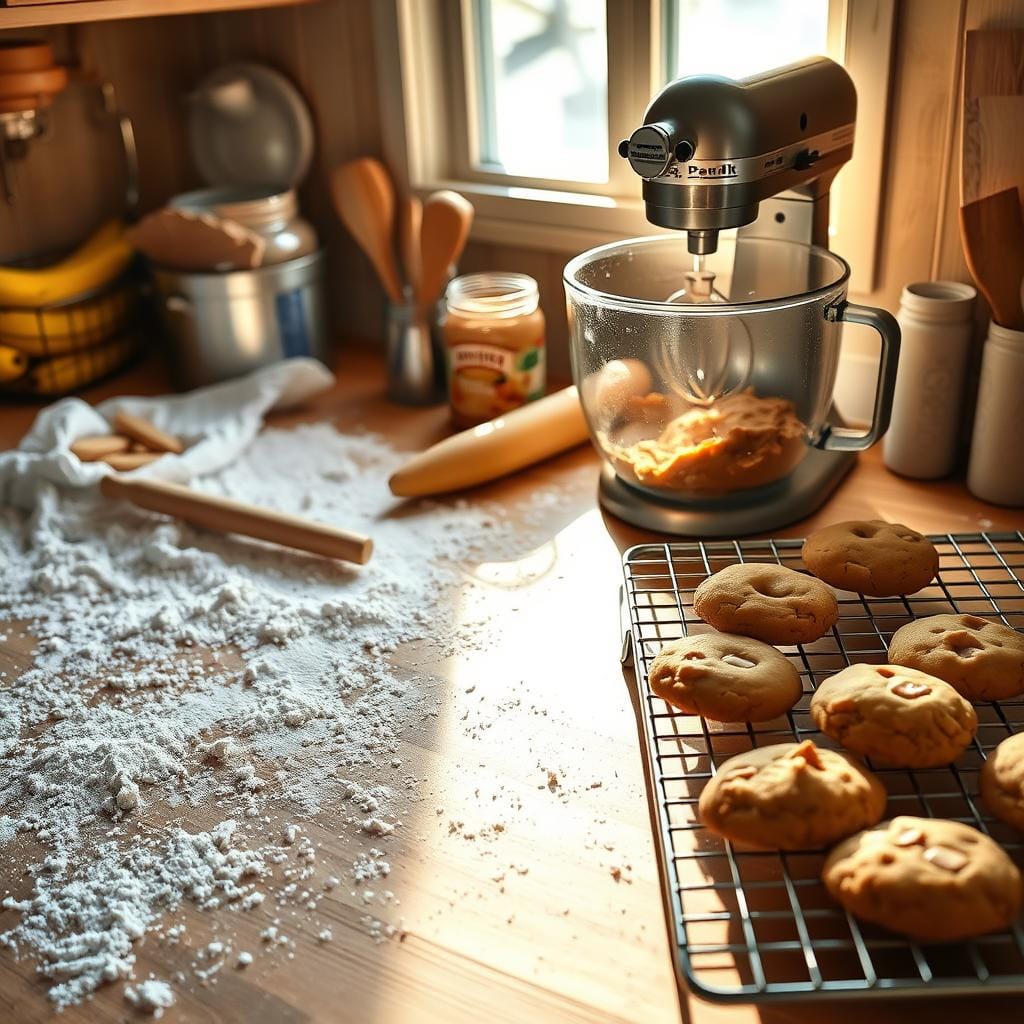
50	343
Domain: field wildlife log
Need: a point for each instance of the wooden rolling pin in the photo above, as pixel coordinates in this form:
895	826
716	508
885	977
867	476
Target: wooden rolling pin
475	456
224	515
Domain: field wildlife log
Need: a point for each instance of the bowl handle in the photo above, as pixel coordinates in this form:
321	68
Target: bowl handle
843	439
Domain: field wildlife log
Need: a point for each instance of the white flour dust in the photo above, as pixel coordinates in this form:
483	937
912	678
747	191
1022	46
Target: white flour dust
179	676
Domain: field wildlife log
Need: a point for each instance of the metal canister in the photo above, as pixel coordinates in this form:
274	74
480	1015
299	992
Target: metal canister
224	325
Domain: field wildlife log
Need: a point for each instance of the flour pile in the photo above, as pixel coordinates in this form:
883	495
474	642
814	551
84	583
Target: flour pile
181	677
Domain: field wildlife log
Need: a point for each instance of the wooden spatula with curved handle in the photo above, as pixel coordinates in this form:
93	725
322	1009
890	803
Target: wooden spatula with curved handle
992	233
447	218
364	198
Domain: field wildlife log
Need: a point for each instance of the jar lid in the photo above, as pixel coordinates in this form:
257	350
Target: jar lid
493	294
248	125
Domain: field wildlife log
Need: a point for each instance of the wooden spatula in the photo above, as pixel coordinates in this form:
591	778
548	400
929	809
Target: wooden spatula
410	226
447	218
364	199
992	233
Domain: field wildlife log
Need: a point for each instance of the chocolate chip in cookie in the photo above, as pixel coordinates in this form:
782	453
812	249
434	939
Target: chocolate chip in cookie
897	716
793	796
872	557
725	678
930	879
982	659
767	602
1001	781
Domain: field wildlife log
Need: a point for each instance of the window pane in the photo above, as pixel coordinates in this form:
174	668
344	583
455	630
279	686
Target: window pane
737	38
543	88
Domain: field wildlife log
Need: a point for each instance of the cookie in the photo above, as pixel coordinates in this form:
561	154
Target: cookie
982	659
871	557
725	678
929	879
767	602
1001	781
894	715
793	796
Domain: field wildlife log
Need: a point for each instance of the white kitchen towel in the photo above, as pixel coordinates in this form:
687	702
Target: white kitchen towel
216	423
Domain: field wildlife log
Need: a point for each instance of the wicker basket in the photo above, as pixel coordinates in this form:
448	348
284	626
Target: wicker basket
58	349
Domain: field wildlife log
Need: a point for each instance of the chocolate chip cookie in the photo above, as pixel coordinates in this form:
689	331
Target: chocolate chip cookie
1001	781
929	879
982	659
897	716
767	602
794	796
725	678
872	557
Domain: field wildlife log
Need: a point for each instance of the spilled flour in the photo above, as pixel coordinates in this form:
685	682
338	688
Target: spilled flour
182	677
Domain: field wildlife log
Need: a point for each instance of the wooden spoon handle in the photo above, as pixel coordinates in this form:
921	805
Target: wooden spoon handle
225	515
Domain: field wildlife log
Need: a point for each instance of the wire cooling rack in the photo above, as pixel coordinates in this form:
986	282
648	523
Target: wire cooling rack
747	925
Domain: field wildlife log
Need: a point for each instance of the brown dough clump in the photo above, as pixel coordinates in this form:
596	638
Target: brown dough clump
738	442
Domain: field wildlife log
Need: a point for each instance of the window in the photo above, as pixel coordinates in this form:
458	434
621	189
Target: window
542	88
521	104
732	37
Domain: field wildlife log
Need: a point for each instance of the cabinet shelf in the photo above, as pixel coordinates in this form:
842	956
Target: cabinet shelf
36	13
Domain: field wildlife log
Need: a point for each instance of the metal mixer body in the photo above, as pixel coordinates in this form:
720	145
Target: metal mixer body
758	155
711	151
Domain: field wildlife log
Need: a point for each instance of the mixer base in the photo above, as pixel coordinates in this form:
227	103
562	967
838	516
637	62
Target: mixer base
736	515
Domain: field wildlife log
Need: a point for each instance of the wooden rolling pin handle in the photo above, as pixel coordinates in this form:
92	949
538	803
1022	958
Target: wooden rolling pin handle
224	515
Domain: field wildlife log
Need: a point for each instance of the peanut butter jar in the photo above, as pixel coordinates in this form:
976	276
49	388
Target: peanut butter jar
494	345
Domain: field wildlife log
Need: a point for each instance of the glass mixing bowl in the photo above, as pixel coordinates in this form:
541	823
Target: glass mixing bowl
703	380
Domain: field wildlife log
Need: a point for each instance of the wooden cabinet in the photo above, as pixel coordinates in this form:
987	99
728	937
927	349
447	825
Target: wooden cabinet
33	13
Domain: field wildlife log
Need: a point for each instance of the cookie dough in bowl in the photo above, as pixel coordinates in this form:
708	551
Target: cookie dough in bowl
982	659
1001	781
725	678
933	880
767	602
792	796
897	716
872	557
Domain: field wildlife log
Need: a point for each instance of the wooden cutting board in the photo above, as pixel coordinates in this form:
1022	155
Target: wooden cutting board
992	153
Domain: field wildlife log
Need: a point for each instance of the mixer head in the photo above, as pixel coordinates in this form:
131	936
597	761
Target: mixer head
710	148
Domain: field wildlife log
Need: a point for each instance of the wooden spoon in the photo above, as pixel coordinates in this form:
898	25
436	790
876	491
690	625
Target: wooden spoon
410	226
364	199
447	218
992	233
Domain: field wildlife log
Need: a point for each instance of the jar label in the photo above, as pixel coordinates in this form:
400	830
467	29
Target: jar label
485	381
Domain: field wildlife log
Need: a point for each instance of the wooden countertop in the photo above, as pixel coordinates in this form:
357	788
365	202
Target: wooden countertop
579	936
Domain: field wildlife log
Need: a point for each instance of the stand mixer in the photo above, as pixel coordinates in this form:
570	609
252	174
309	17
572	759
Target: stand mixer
706	372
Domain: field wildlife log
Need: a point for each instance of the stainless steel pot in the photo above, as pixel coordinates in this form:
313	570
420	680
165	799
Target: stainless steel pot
224	325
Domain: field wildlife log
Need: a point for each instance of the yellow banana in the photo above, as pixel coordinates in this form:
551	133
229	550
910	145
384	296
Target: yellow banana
13	364
101	259
68	373
54	332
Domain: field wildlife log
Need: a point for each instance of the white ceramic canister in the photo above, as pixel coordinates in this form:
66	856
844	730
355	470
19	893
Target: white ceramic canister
996	470
935	321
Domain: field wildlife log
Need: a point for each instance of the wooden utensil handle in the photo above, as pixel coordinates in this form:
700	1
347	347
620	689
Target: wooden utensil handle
225	515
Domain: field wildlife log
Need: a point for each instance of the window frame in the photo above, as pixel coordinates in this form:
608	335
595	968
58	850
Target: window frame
424	58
